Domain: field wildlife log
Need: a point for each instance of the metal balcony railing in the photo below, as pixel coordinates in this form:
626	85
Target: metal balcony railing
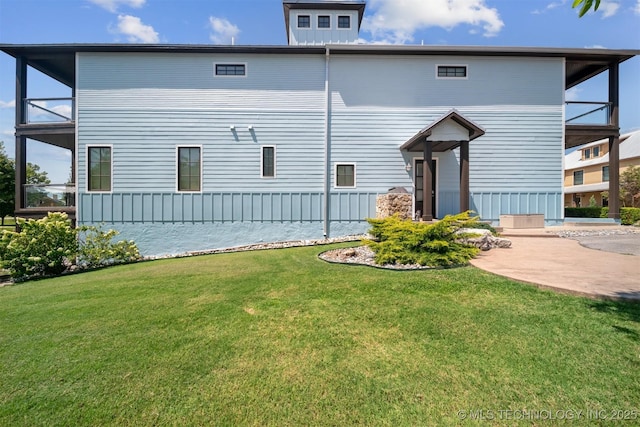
50	195
587	113
49	110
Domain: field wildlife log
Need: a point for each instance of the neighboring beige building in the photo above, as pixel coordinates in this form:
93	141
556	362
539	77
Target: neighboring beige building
586	170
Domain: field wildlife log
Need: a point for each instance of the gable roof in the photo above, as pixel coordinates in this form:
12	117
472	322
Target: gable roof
416	141
629	149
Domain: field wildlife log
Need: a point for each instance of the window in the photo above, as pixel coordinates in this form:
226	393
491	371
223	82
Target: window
189	168
304	21
99	168
587	153
605	174
231	69
344	21
324	21
578	177
596	151
268	162
452	71
346	175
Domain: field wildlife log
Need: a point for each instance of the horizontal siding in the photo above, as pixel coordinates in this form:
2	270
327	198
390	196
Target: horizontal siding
145	105
410	81
520	151
144	148
148	81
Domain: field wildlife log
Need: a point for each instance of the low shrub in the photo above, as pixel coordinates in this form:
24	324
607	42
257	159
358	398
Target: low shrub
407	242
97	249
589	212
628	216
42	247
50	246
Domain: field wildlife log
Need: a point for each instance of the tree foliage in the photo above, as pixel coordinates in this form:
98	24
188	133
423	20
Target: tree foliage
586	5
7	184
8	179
36	176
630	186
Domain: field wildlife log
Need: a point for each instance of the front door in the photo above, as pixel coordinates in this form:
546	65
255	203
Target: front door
419	193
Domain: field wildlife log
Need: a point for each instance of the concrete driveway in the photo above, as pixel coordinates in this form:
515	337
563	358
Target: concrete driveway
598	266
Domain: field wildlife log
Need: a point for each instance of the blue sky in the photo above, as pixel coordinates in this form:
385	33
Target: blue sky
543	23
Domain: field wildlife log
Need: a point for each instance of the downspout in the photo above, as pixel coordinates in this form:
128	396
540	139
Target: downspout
327	146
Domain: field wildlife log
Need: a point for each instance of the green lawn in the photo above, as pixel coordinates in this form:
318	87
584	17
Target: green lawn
9	224
281	338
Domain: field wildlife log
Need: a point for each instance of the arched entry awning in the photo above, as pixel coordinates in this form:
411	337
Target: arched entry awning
449	132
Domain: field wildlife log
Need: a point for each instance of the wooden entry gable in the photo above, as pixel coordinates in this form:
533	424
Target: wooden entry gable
449	132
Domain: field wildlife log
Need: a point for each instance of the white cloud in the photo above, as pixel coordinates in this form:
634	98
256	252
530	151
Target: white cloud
112	5
397	20
608	8
550	6
224	32
135	30
636	9
9	132
572	94
8	104
595	46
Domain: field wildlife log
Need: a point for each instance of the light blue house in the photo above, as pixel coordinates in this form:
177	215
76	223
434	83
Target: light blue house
191	147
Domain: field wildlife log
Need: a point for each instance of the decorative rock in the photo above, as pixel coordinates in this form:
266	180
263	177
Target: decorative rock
364	255
484	240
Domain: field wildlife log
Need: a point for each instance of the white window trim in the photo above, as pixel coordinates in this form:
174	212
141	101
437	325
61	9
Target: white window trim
228	76
318	27
338	23
466	66
88	168
335	175
275	161
177	177
310	21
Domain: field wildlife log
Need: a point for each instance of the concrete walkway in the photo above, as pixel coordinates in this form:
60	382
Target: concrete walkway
540	257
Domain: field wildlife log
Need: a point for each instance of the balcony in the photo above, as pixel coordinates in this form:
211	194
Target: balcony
588	113
49	120
587	122
49	110
43	198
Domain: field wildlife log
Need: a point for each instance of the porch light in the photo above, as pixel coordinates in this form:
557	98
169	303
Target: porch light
407	167
232	128
250	127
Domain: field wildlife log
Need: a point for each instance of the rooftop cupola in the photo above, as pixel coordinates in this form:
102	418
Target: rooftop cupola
321	22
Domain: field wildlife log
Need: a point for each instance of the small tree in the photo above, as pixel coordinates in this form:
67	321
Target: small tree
7	184
630	187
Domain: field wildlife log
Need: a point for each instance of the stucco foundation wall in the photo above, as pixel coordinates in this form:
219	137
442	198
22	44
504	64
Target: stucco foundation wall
174	239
